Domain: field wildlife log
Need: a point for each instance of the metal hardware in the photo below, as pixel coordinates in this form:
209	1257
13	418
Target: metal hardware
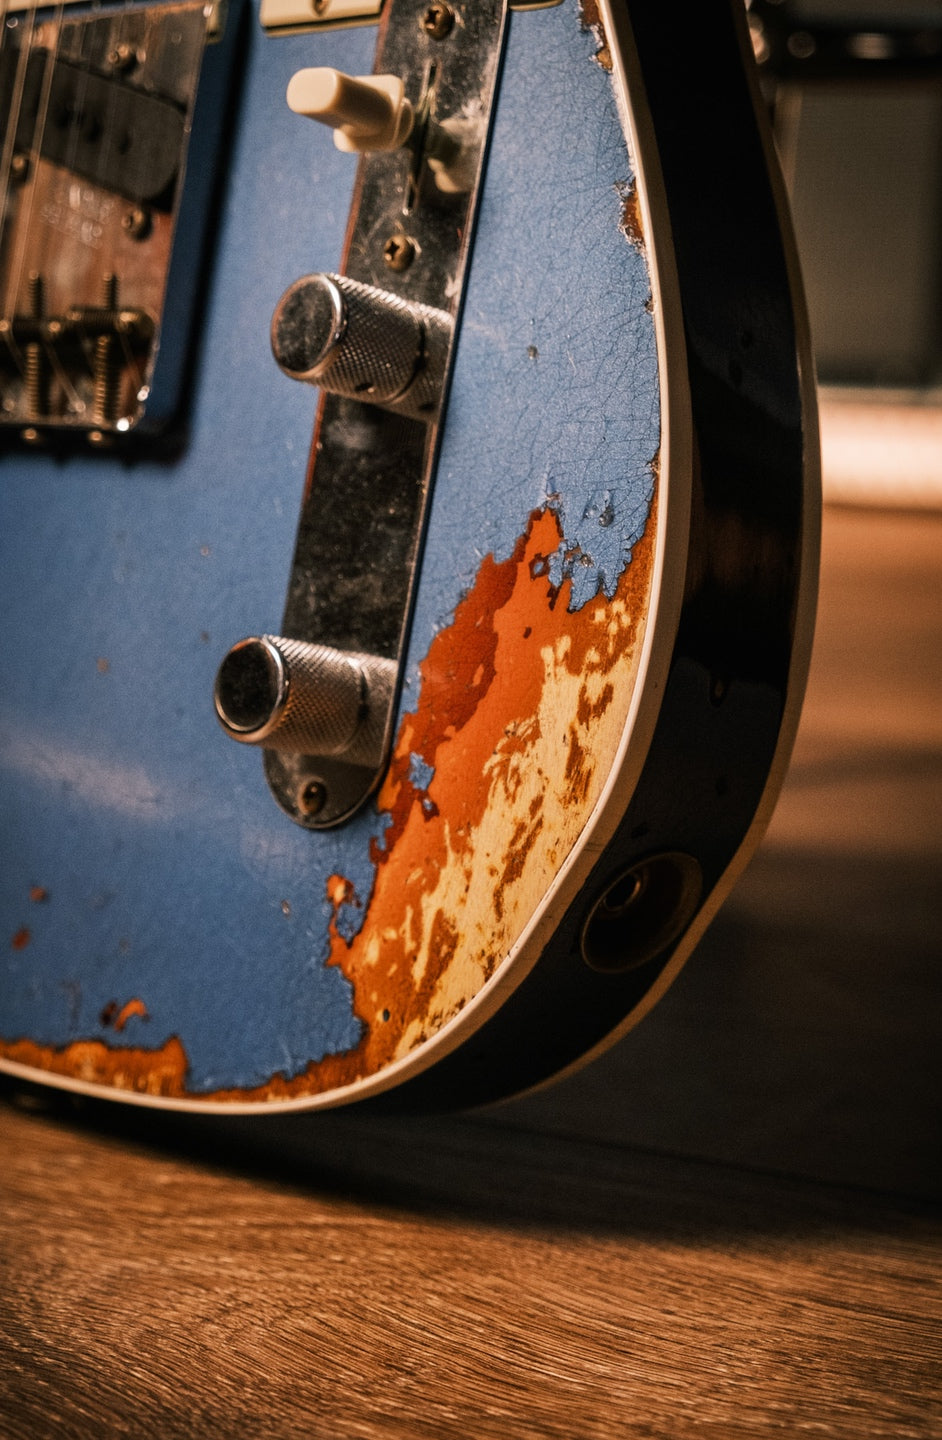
137	223
399	252
305	699
641	912
311	797
381	334
438	20
354	340
129	157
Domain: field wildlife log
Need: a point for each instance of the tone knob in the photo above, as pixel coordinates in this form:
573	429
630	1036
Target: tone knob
358	341
368	112
305	699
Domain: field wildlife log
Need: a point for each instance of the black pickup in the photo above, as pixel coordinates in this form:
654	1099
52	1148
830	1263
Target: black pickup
118	136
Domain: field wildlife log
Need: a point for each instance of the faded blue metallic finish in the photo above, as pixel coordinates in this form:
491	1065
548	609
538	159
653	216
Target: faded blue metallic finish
555	399
171	874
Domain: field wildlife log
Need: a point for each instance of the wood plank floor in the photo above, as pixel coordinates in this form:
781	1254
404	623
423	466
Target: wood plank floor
728	1227
418	1279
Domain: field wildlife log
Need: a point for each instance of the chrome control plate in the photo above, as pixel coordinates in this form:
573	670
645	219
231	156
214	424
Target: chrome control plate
360	532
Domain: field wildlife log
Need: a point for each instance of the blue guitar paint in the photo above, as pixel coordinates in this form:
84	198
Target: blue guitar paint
171	876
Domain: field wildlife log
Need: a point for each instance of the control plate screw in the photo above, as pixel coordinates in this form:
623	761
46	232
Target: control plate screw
311	797
438	20
399	252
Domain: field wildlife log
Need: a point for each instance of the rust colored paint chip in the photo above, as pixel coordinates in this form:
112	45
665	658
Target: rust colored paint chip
149	1072
592	20
522	706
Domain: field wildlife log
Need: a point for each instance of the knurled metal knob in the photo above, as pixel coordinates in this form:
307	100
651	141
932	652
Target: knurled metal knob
305	699
362	342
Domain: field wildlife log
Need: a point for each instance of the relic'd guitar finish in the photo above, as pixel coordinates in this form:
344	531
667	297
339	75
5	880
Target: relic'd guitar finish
435	809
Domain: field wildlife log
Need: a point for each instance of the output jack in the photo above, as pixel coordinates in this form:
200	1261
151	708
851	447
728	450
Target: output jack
642	911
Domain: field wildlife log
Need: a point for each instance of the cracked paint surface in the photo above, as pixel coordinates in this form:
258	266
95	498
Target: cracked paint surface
267	962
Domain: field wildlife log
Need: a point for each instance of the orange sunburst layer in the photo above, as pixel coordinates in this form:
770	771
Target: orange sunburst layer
522	706
148	1072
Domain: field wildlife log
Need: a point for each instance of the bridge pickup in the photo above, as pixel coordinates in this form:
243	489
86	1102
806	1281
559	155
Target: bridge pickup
109	124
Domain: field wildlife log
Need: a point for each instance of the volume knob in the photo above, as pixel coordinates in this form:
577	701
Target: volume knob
355	340
305	699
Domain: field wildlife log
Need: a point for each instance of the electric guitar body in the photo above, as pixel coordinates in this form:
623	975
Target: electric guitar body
601	608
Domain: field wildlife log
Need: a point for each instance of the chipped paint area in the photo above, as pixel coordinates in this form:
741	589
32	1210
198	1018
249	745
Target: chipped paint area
632	224
516	685
493	778
118	1016
147	1072
494	775
592	20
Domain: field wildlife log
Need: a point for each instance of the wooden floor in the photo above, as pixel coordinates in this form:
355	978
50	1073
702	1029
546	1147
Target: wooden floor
726	1228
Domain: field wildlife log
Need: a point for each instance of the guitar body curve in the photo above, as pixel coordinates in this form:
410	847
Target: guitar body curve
606	655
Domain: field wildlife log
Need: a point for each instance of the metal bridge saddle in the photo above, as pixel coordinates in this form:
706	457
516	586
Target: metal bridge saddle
110	128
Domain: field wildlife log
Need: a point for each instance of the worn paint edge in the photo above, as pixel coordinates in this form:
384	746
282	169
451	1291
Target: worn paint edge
806	602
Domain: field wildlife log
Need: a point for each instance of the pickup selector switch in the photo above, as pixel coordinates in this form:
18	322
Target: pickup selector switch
355	340
368	112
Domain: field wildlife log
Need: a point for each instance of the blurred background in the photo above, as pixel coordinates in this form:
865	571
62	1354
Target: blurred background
804	1034
855	90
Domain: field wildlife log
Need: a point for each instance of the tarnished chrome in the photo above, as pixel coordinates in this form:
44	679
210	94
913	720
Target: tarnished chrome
305	699
368	344
381	334
110	124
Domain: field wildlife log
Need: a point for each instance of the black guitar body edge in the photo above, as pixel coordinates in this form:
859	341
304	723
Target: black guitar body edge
737	675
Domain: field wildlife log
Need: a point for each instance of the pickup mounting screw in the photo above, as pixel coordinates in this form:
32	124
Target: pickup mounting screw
122	56
438	20
399	252
137	223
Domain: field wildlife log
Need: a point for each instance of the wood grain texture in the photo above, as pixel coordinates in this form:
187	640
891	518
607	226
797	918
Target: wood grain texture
535	1271
404	1278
